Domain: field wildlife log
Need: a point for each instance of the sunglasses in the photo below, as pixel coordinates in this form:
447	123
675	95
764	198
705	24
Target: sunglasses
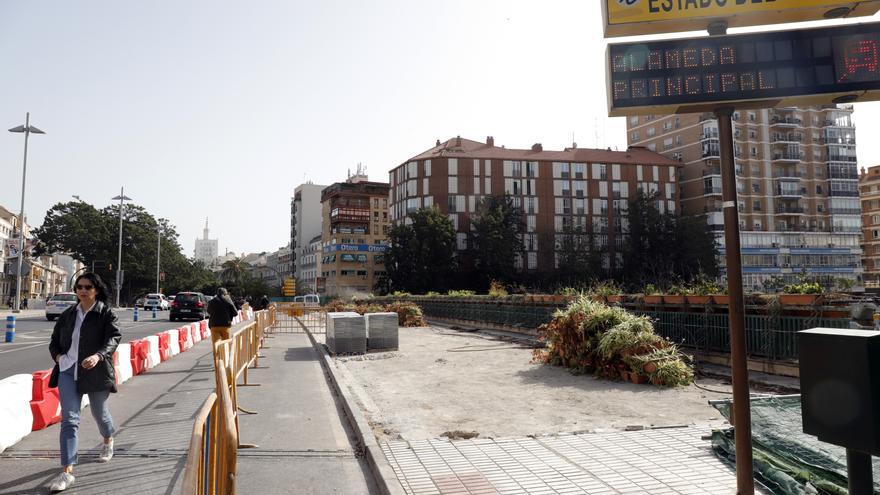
85	287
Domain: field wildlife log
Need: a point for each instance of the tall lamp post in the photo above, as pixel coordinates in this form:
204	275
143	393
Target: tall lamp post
27	129
122	197
158	254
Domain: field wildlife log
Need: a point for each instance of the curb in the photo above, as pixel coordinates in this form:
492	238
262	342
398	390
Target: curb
383	473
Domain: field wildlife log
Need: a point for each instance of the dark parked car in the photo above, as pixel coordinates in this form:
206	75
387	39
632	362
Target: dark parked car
189	305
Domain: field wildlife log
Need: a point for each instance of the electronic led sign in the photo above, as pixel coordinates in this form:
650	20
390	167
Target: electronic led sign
811	66
640	17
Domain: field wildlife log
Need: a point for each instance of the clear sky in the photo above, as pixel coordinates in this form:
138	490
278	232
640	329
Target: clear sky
220	109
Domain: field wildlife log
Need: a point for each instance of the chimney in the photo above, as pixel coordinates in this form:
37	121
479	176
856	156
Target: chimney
458	141
490	141
438	143
537	147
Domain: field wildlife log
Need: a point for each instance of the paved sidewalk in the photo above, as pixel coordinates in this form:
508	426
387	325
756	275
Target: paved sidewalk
304	446
153	413
662	461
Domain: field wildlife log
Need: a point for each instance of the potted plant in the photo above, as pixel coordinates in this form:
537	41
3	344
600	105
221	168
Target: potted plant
652	295
675	295
802	294
702	292
609	291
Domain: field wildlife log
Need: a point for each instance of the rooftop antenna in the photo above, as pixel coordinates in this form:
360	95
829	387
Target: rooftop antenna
595	132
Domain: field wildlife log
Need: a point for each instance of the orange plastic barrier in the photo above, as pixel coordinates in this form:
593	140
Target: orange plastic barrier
45	404
164	346
203	327
139	351
184	338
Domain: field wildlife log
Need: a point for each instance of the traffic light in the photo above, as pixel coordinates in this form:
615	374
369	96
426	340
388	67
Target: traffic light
289	287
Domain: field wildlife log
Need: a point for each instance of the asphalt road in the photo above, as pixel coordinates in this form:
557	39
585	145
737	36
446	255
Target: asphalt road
30	350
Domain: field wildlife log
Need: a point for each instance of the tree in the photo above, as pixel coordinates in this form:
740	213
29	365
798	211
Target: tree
682	248
580	258
91	235
234	272
421	257
495	240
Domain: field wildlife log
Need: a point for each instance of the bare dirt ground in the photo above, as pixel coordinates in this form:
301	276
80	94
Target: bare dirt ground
442	380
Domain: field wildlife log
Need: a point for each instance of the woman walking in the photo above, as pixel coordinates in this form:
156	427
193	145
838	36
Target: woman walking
83	342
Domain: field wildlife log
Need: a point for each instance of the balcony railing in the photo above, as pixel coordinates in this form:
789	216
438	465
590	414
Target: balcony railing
350	215
846	194
788	138
712	190
779	120
846	211
837	140
794	210
788	156
712	171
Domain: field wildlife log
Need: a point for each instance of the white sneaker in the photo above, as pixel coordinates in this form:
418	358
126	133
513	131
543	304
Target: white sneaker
62	482
106	452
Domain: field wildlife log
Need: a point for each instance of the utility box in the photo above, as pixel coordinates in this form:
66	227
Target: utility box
840	387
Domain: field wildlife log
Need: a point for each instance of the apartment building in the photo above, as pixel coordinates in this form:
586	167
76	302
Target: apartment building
354	232
797	186
305	220
575	187
310	266
869	195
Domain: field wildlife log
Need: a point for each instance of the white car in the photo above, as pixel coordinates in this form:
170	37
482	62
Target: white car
58	303
157	301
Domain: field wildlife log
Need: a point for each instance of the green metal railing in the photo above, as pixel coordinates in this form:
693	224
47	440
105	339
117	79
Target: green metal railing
767	336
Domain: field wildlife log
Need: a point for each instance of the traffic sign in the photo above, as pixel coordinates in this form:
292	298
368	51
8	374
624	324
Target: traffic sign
639	17
781	68
289	287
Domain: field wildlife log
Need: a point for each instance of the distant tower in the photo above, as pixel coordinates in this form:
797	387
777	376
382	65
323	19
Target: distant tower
206	248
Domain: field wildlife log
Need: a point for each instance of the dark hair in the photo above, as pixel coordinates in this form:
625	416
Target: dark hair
100	289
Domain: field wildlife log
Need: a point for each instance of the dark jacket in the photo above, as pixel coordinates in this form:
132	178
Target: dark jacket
99	334
264	302
221	311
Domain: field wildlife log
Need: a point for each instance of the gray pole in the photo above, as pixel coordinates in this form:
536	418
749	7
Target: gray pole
27	132
119	257
158	254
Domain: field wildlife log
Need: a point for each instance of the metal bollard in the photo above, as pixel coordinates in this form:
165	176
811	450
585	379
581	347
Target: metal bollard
154	312
10	328
135	313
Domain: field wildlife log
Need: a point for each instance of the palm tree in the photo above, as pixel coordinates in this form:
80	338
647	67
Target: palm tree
234	272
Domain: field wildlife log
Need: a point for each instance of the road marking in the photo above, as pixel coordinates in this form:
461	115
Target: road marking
28	347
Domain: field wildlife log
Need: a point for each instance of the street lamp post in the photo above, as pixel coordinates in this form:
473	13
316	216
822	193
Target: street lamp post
158	253
27	129
122	197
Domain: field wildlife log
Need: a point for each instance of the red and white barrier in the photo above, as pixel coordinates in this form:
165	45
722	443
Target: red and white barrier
195	333
173	341
45	404
16	417
139	351
153	356
122	362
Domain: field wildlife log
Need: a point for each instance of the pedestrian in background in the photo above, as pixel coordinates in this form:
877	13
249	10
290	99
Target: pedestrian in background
24	303
221	311
82	346
264	302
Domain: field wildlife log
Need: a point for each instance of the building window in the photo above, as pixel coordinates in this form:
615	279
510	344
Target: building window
453	166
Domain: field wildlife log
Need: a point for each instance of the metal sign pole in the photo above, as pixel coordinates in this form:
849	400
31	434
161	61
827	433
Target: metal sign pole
742	422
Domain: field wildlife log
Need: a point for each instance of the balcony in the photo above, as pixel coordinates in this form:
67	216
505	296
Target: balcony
779	120
837	140
712	190
355	215
845	194
842	122
789	192
843	174
712	171
709	134
789	174
846	211
788	157
790	210
791	137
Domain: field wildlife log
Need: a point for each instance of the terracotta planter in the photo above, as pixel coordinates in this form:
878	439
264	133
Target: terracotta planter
625	375
598	298
637	378
721	299
656	381
799	299
649	367
668	299
699	300
653	299
616	299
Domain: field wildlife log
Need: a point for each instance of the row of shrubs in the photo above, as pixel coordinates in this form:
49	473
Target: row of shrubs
408	313
590	337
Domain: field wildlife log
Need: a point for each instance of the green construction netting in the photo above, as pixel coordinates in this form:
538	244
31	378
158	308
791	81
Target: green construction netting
787	460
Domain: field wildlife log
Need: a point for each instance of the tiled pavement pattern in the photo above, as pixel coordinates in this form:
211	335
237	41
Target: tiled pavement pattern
661	461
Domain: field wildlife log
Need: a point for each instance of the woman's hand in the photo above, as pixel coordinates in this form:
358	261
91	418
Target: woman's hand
90	362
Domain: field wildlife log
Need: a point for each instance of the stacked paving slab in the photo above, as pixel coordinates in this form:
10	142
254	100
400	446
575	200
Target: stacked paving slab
381	331
346	333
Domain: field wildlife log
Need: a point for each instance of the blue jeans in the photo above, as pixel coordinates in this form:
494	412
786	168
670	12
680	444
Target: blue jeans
71	402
